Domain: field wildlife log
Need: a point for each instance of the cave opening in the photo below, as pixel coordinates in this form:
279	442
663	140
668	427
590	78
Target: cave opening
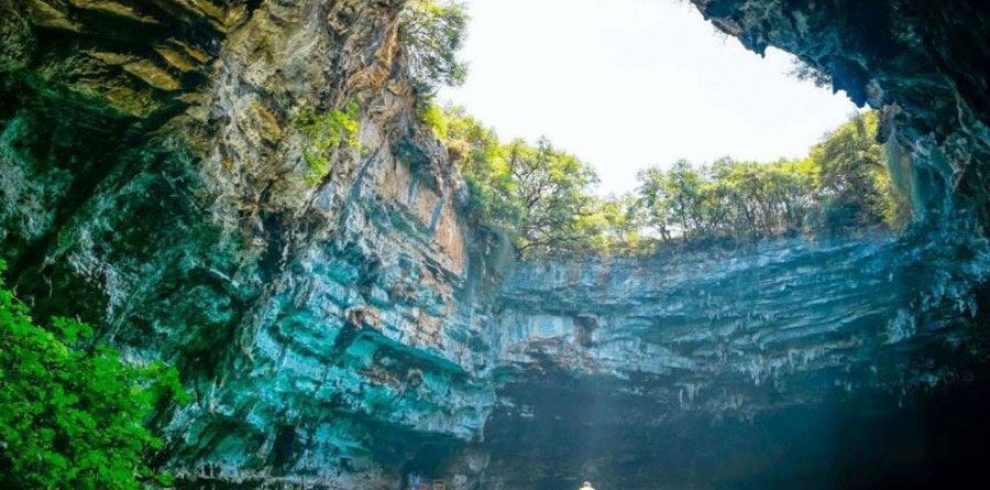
565	423
362	287
632	84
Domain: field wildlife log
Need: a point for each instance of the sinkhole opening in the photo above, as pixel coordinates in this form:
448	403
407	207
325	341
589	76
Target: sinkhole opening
631	127
269	244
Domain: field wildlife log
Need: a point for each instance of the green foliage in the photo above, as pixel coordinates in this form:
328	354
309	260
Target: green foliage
855	182
73	417
431	32
542	197
325	131
841	187
482	160
617	223
434	118
552	190
727	198
535	194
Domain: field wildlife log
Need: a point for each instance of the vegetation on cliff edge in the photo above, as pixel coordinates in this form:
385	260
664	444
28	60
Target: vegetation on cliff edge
431	33
543	197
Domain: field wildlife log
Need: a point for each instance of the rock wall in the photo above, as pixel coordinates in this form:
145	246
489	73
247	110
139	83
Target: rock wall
152	180
706	368
339	334
718	332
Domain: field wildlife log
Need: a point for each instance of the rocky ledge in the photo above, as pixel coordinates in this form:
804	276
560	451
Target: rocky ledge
342	331
698	368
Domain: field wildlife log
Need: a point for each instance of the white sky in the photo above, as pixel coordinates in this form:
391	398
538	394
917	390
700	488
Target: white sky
625	84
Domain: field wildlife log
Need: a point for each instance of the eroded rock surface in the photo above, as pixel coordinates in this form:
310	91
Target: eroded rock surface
697	369
153	181
341	333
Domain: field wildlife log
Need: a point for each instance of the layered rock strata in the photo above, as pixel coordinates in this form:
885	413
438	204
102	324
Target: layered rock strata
343	332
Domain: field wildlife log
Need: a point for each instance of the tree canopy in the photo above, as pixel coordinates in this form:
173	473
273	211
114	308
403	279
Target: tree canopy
842	186
855	180
431	33
543	197
539	196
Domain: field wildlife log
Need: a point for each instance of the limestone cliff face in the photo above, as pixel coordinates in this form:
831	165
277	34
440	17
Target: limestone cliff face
153	180
721	332
338	334
697	369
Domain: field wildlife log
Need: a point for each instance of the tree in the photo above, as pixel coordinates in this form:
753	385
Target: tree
481	158
72	415
855	182
431	32
552	189
618	222
537	196
655	202
766	199
541	198
842	186
728	198
684	188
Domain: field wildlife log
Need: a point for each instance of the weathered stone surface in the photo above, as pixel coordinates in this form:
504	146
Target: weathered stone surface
338	335
619	356
325	331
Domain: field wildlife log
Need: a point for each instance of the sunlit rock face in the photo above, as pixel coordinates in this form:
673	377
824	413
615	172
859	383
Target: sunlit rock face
152	181
340	334
727	369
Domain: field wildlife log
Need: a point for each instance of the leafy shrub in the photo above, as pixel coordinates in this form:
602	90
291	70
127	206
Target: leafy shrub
73	417
435	119
325	131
